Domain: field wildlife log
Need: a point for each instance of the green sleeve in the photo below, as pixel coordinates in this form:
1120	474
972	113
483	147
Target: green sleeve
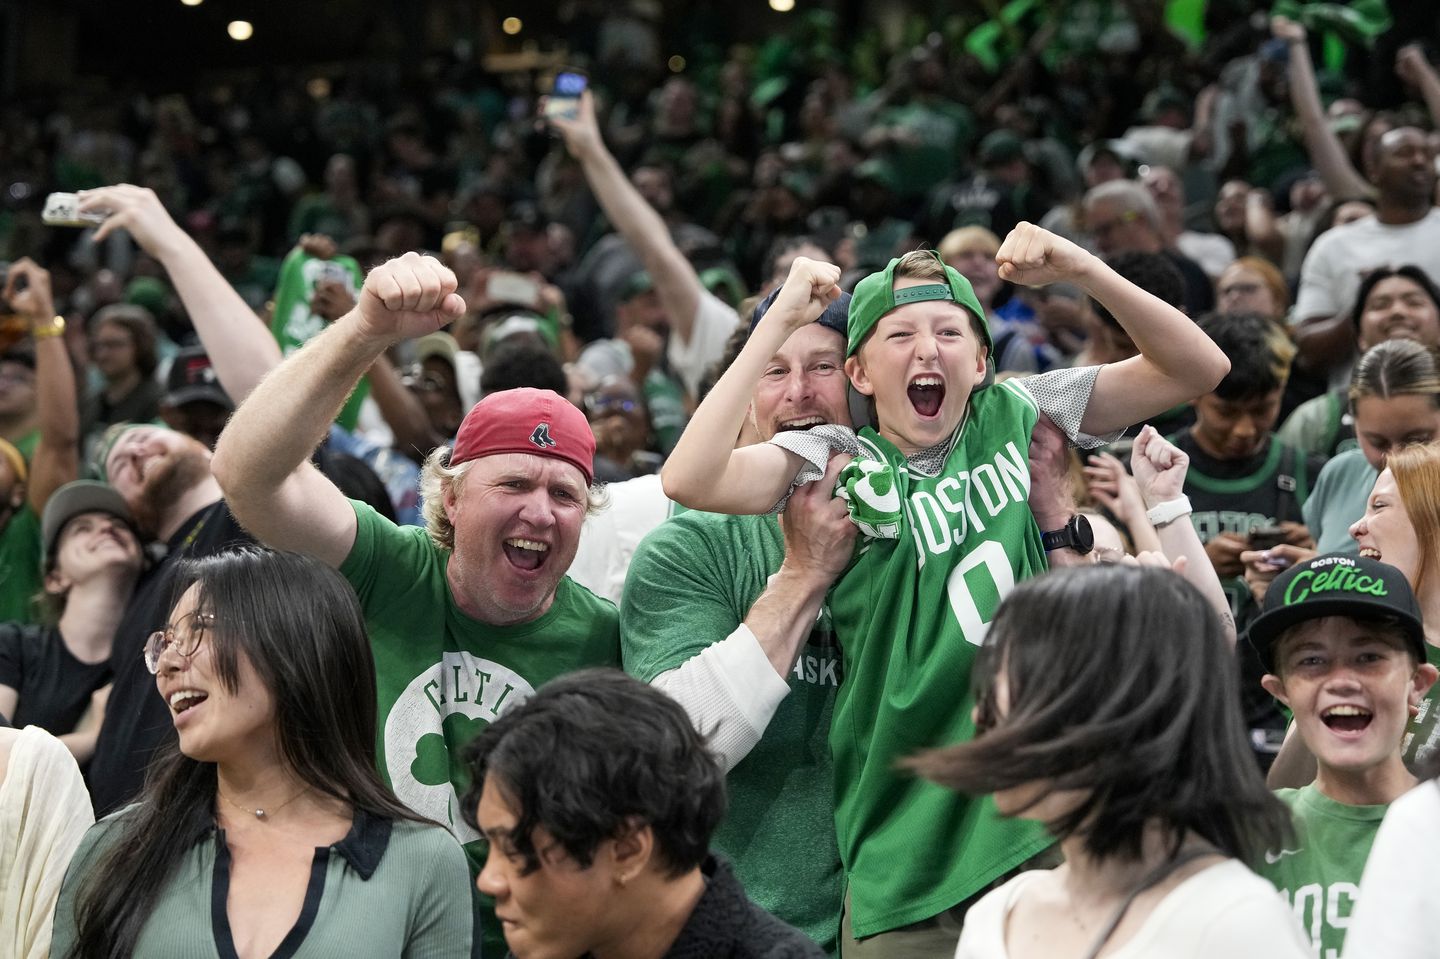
97	839
384	558
682	594
1309	428
442	921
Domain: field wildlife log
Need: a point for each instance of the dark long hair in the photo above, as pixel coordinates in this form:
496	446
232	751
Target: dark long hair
1121	688
299	625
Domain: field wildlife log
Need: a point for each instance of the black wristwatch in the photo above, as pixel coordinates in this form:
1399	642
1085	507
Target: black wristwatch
1075	535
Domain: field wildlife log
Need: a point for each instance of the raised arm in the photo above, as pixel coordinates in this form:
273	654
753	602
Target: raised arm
1324	147
1177	361
1414	69
731	688
705	471
676	282
57	455
240	347
1159	468
263	469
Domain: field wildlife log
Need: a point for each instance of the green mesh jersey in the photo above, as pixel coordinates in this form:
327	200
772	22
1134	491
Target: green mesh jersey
910	614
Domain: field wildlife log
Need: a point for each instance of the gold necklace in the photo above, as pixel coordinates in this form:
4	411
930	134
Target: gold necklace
261	814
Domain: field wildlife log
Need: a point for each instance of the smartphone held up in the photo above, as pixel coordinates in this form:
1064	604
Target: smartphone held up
564	99
63	209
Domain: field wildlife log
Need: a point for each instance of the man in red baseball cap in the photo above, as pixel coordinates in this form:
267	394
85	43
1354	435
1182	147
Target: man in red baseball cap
471	614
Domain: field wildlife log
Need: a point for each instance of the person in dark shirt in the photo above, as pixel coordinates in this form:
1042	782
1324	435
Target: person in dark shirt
598	799
1245	486
165	478
92	557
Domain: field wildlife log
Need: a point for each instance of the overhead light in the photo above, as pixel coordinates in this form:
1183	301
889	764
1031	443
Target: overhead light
677	64
512	25
192	3
782	6
240	30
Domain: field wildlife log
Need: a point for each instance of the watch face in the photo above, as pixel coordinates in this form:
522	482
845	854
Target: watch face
1084	536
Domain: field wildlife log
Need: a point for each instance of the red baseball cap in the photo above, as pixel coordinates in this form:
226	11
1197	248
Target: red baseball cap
525	420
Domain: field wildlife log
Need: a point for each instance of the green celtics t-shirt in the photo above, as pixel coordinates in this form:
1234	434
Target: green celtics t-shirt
910	615
1319	873
1422	735
442	677
692	581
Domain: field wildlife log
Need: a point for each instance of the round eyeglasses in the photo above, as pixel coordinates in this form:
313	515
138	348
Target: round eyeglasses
184	637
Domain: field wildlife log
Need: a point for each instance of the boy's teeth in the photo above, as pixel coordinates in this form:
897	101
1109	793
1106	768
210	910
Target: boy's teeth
1346	711
529	544
925	381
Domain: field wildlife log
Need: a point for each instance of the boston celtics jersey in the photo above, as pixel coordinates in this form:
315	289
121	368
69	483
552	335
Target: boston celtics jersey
1422	735
1318	874
910	614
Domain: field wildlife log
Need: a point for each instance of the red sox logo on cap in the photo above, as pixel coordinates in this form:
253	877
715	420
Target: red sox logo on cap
540	436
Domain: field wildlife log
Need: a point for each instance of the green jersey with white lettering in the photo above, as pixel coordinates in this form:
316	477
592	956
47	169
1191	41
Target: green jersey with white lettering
910	615
442	677
1319	873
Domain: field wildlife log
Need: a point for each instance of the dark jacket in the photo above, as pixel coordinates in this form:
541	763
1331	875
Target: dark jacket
727	925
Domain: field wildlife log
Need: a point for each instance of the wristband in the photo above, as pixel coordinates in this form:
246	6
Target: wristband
53	327
1168	511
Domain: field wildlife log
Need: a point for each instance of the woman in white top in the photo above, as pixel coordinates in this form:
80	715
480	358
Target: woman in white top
1108	709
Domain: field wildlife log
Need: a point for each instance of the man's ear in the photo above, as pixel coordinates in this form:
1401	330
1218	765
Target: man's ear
1420	683
447	499
631	851
858	377
1275	686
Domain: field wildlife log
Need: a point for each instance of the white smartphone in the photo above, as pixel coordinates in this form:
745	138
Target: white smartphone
63	209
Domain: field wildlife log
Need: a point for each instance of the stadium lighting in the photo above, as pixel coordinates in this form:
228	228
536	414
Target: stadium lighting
512	25
677	64
240	30
192	3
782	6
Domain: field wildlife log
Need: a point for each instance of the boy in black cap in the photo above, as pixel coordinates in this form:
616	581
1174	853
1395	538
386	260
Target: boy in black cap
1344	648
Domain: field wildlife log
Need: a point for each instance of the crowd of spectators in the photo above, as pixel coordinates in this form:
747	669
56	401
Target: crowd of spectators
379	420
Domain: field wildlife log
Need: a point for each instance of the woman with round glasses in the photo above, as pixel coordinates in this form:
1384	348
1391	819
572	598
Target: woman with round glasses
267	831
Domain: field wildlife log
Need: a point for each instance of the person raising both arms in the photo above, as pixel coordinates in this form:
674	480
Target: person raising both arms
939	489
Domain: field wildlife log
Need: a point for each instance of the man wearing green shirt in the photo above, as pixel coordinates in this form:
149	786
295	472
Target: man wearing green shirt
471	614
1344	648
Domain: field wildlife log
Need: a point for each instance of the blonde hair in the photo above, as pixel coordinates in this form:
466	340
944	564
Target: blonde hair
438	477
1417	478
966	239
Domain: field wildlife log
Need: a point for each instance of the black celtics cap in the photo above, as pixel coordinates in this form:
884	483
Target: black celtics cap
1336	585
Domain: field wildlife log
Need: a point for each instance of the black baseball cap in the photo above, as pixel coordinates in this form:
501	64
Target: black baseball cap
1336	585
192	379
836	316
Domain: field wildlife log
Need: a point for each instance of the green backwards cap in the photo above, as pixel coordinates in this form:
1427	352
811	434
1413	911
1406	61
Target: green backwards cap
876	295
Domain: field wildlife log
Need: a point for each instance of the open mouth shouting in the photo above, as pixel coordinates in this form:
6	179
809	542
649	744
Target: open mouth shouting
800	423
1370	552
526	554
926	392
1347	720
182	701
